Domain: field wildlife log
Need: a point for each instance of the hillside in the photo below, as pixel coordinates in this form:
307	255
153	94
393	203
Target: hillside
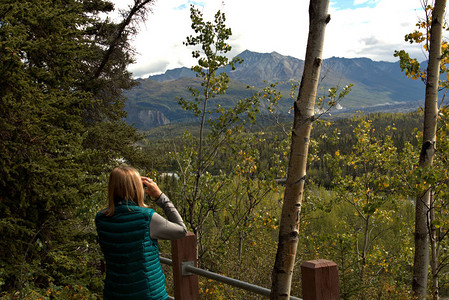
378	86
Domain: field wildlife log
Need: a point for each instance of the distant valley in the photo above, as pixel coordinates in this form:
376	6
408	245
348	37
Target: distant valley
378	86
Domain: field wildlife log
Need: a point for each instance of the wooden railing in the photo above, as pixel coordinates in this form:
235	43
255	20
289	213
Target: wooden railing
319	277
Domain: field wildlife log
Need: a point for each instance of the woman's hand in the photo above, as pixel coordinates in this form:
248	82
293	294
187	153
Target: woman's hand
152	189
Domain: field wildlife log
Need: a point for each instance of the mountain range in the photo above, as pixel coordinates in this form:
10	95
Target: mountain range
377	86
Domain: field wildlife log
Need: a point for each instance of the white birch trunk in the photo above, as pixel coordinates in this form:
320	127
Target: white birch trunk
303	118
421	259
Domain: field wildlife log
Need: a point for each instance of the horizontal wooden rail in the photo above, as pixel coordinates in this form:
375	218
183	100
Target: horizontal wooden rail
319	277
188	269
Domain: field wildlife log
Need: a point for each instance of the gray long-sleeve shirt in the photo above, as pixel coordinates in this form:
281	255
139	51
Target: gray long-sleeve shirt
171	228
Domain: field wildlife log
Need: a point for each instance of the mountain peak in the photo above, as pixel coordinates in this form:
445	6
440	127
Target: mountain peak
259	68
375	83
247	53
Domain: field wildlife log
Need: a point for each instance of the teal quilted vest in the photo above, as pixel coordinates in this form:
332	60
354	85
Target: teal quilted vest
133	269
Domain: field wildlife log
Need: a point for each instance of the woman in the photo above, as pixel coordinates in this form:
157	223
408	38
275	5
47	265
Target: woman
128	231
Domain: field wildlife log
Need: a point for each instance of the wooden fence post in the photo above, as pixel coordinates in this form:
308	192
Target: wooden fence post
184	250
320	280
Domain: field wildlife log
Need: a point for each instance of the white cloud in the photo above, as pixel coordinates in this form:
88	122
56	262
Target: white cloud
352	31
265	27
161	38
372	31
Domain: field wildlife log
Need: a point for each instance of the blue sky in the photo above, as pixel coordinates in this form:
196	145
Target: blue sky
358	28
351	4
183	6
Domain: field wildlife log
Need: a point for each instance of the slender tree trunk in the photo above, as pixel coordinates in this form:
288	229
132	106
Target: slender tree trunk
421	259
240	247
365	250
303	118
435	253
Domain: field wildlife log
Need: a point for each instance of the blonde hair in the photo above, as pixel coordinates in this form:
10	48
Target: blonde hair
125	183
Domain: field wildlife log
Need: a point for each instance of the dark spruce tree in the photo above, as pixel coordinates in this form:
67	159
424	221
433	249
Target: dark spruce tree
62	73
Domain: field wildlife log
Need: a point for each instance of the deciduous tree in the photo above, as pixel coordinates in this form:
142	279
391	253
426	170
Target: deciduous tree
432	38
219	127
303	119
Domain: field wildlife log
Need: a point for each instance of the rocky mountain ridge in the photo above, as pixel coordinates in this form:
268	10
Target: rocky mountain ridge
377	84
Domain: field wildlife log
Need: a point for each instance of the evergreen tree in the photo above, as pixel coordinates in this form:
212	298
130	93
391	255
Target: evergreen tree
61	128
